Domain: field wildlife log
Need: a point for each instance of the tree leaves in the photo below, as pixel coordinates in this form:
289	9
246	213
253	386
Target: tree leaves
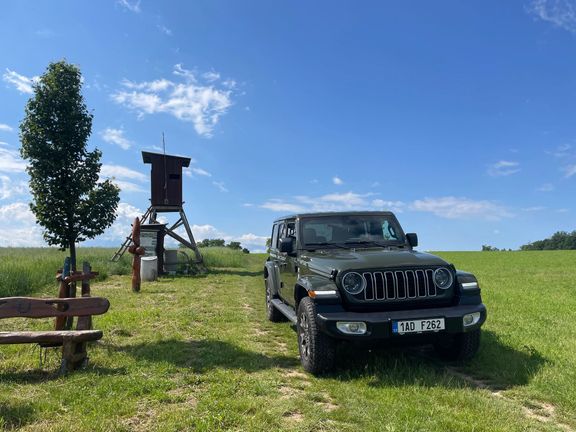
68	201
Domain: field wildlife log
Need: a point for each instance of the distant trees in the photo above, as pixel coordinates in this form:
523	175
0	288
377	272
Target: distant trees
212	243
488	248
234	245
68	200
559	240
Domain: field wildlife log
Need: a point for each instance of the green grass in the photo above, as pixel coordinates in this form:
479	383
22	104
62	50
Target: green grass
198	354
26	270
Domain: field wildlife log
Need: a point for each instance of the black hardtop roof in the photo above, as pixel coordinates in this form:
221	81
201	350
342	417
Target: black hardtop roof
148	156
347	213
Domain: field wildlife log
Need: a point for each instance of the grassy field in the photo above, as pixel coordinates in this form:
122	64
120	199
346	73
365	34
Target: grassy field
198	354
27	270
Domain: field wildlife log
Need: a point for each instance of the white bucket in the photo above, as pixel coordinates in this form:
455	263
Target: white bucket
149	268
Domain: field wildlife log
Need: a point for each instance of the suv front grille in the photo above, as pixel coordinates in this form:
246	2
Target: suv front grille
399	285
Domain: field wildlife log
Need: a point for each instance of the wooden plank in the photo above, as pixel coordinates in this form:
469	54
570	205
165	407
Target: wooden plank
49	336
29	307
77	276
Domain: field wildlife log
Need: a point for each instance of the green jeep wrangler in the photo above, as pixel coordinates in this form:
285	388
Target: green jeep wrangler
355	276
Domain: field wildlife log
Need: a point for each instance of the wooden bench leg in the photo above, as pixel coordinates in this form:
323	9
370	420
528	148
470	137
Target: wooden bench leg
68	348
74	356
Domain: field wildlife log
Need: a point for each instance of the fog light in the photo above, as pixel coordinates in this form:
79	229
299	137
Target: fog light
356	328
471	319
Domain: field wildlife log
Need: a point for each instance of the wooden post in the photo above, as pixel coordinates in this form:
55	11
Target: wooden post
63	292
137	251
85	323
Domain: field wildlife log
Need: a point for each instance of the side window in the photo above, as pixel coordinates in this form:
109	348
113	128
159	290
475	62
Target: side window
274	240
388	231
281	234
291	229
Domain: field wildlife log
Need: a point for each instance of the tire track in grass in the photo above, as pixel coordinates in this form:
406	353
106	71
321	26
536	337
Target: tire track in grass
535	410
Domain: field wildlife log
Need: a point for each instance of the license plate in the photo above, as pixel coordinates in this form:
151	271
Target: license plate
418	326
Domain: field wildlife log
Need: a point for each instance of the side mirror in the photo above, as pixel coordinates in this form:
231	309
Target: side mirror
412	239
287	244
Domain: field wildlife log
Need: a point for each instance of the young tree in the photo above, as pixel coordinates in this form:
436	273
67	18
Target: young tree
68	201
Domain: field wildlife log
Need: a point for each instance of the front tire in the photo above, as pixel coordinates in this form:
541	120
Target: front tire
459	347
317	351
272	313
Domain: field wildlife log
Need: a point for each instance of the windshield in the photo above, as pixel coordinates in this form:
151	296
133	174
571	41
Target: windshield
375	230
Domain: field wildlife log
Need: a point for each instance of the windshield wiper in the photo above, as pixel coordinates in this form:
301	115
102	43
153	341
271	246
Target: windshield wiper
326	244
368	242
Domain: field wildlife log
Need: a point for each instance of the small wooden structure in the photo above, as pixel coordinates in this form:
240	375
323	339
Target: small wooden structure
64	309
166	178
166	197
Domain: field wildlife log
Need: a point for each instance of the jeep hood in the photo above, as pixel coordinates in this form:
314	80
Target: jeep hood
327	260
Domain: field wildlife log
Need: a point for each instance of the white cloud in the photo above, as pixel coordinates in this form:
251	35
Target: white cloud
23	233
570	170
5	128
22	83
211	76
560	13
200	171
125	215
116	136
252	239
10	161
247	205
448	207
121	172
562	151
9	188
126	186
395	206
132	6
189	100
220	185
280	206
337	181
503	168
546	187
534	209
461	208
325	203
164	29
118	175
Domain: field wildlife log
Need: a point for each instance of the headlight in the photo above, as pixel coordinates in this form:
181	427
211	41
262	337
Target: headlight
353	283
443	278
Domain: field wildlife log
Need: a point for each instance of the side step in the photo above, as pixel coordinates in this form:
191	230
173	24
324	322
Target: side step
286	310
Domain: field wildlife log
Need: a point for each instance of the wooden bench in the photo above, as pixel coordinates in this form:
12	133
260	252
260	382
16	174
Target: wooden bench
73	342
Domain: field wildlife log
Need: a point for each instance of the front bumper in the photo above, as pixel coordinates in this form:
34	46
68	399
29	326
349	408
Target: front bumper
379	324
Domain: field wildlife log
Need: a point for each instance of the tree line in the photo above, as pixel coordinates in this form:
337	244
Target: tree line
234	245
559	240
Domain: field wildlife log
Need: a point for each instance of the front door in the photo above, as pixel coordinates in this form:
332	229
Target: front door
287	263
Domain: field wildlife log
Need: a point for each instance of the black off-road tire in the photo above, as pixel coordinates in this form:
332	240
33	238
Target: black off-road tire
460	347
317	350
272	313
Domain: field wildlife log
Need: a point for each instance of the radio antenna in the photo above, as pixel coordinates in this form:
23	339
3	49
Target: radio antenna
165	171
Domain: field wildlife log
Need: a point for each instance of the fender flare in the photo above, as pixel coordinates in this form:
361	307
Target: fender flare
273	277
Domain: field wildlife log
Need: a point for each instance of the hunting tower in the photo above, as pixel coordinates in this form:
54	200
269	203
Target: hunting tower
165	197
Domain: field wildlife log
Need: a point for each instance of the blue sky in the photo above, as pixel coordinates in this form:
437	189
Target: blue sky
458	116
